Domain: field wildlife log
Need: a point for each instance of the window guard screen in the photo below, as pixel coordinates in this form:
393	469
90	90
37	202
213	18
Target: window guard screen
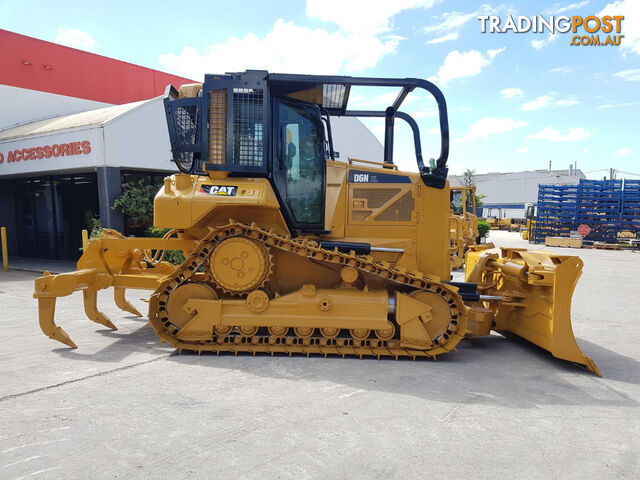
248	127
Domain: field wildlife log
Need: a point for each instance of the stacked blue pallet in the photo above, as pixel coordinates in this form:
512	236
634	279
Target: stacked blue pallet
630	207
598	206
556	211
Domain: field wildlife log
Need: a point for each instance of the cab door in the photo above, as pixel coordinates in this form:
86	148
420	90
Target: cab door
299	164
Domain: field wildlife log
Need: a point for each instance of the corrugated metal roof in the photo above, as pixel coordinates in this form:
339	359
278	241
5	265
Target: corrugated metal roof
522	175
66	122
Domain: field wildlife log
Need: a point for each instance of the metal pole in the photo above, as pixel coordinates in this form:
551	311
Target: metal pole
85	240
5	253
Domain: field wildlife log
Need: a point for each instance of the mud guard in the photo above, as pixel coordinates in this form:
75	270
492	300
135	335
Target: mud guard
536	288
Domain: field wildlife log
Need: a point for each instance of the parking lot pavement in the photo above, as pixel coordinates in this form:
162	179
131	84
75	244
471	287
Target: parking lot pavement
124	406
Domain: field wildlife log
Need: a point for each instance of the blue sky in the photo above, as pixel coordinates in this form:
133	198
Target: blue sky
515	101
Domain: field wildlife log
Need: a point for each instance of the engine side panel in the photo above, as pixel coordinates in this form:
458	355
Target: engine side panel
195	202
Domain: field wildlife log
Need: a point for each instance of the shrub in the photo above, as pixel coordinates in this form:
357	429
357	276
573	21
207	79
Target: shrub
175	257
93	226
136	204
483	229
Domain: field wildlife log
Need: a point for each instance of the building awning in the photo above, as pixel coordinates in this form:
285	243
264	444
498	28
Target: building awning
90	118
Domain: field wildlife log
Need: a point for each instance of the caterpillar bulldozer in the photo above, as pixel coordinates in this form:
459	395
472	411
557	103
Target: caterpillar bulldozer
463	223
290	250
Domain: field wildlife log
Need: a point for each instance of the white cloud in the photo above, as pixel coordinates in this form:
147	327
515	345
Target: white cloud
540	102
584	150
286	48
378	102
433	131
366	17
75	38
511	92
616	105
444	38
548	100
632	75
623	152
563	69
567	102
450	23
539	44
487	126
630	9
465	64
424	114
522	150
552	135
558	8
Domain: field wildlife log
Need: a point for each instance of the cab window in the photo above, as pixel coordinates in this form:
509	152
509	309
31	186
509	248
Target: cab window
302	162
456	202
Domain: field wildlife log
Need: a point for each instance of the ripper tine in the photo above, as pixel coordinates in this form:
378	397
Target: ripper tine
90	298
46	314
122	303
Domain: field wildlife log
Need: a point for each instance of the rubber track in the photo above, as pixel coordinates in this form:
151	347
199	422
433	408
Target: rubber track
314	345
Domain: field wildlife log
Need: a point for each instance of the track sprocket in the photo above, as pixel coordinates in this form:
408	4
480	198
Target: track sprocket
240	265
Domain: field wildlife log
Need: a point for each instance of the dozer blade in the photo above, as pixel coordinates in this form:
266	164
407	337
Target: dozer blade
535	290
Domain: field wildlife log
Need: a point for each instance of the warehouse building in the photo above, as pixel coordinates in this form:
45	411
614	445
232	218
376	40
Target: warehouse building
74	126
506	194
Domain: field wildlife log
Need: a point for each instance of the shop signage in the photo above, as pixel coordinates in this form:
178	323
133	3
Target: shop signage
47	151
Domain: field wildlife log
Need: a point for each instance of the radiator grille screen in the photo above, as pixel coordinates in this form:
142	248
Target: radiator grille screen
399	211
217	126
375	197
360	215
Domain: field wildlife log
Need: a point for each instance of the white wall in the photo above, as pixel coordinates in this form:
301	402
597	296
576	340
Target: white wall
53	164
518	187
354	140
139	139
20	105
502	212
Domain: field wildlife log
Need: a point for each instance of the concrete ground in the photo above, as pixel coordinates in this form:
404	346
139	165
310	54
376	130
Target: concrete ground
124	406
41	264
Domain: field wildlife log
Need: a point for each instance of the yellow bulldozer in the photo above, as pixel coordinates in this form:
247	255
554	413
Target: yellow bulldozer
290	250
463	223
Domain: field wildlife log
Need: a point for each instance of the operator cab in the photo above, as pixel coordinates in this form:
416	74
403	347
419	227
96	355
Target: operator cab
256	124
462	200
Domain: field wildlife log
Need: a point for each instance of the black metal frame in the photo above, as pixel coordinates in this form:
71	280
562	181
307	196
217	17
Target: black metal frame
432	177
282	86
